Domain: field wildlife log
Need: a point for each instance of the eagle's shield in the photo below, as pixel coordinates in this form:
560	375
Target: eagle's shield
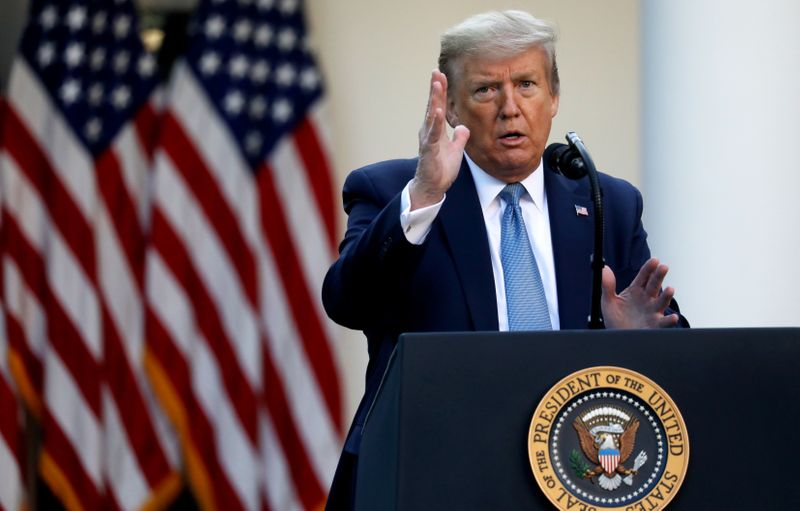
609	459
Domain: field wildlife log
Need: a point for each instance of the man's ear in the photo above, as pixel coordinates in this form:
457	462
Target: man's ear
554	105
450	114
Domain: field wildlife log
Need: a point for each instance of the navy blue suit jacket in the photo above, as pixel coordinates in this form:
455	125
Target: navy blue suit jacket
385	286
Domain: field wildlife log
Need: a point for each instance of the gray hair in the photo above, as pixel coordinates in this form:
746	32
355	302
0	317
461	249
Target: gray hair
501	34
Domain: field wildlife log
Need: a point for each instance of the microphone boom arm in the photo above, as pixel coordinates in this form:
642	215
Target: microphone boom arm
596	260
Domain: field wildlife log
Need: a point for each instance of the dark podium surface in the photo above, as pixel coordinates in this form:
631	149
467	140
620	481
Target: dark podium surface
449	427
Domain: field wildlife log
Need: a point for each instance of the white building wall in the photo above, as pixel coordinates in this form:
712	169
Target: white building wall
721	129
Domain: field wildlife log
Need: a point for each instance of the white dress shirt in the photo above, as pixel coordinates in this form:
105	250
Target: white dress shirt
417	224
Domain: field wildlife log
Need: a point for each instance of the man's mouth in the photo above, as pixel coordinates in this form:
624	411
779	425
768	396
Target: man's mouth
511	137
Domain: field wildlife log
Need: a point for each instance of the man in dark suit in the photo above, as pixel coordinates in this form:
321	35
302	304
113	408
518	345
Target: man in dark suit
427	246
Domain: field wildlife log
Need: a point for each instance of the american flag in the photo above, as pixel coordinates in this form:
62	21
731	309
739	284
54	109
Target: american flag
11	441
238	347
74	178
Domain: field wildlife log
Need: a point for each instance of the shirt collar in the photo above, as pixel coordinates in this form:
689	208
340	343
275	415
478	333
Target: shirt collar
489	187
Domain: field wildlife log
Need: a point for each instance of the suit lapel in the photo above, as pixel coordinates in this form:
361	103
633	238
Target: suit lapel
461	220
572	236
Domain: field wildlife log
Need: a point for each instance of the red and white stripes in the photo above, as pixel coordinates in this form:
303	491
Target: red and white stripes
11	439
160	303
238	345
73	249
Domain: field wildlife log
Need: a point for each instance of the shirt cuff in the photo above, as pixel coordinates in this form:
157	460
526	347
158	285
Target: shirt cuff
417	224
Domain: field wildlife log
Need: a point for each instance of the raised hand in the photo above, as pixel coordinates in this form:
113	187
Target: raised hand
640	305
439	157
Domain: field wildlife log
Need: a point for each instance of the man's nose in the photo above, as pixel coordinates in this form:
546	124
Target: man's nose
508	105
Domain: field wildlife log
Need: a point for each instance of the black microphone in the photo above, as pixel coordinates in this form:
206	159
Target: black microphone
565	160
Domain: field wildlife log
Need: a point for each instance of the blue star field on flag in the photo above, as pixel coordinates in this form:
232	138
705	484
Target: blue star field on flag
89	56
253	60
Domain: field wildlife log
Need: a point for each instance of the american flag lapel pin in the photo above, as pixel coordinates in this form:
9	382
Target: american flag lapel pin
581	210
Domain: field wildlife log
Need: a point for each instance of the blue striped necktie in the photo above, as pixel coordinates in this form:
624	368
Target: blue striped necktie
525	299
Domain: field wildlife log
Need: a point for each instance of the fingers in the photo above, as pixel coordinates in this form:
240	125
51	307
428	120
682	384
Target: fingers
653	286
663	300
642	304
668	321
645	272
437	97
434	125
430	95
438	85
609	282
651	277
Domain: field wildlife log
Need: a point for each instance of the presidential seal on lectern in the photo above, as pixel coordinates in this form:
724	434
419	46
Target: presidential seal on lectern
608	438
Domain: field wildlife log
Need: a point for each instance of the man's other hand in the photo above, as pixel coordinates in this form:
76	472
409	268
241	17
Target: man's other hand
640	305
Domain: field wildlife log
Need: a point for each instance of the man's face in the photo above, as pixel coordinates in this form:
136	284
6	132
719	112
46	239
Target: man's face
508	107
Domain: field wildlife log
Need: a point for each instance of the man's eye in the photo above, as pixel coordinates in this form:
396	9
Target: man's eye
526	84
482	90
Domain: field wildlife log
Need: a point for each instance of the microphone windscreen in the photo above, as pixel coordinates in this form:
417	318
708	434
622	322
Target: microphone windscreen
564	160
